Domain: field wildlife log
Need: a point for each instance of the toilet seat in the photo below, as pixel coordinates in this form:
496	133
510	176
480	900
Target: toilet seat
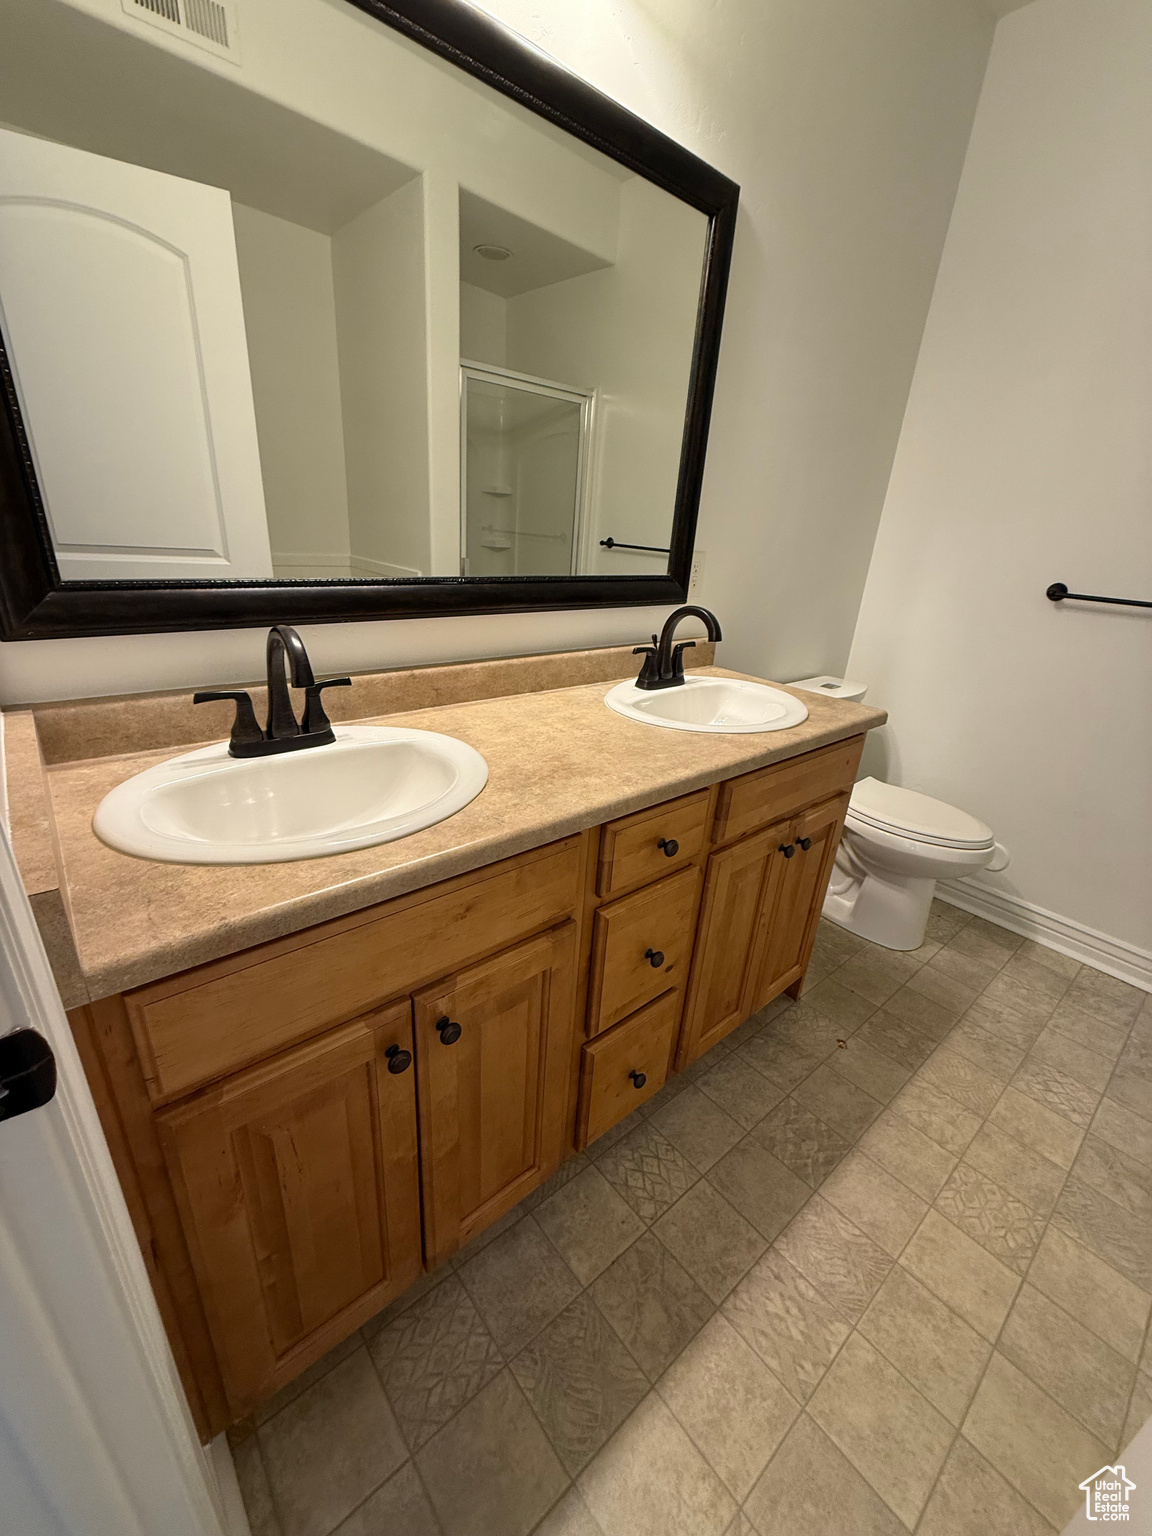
907	814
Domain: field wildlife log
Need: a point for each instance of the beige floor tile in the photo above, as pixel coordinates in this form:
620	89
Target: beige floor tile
1041	1450
490	1471
883	1208
938	1352
646	1170
650	1480
289	1393
571	1517
406	1299
945	921
1041	980
1048	1085
741	1525
1112	1000
782	1063
433	1359
837	943
789	1324
580	1380
923	1012
1087	1029
1121	1178
839	1103
518	1283
588	1224
1057	1050
326	1451
568	1170
1035	1003
961	1273
972	1499
652	1302
1139	1412
945	991
400	1505
872	981
1087	1378
1092	1292
1016	1167
890	1432
897	1039
489	1235
739	1090
1038	1127
764	1192
908	1155
982	937
870	1069
811	1489
1063	965
992	1216
1000	1058
1107	1229
961	1080
801	1141
710	1239
937	1115
972	971
1002	1020
733	1407
841	1005
698	1128
807	1028
843	1263
1132	1089
1120	1128
254	1489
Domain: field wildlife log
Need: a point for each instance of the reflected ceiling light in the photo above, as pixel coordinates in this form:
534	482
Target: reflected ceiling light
492	252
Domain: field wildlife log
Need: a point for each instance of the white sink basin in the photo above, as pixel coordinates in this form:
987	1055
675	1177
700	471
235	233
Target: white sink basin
371	785
724	705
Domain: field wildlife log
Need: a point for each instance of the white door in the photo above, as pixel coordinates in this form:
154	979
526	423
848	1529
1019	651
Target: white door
121	312
95	1436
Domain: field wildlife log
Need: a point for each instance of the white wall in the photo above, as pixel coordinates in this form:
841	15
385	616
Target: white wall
290	320
846	126
483	326
1025	460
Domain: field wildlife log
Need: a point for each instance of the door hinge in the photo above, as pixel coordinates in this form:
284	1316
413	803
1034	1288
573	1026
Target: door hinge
27	1073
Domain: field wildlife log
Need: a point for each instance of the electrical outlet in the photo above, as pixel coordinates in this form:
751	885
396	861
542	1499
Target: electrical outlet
697	574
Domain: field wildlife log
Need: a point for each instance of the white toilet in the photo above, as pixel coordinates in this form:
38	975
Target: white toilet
896	845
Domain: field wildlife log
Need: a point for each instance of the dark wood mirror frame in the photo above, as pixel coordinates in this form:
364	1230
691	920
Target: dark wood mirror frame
36	605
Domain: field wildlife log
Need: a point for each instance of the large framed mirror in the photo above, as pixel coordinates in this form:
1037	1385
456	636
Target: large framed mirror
315	310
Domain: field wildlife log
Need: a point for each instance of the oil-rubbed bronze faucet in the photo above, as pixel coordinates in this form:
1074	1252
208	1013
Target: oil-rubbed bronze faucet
284	733
663	662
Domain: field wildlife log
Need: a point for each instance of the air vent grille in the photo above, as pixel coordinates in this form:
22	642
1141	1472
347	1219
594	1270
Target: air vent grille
209	24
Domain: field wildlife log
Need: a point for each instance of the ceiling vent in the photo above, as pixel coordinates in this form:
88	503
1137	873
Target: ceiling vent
209	24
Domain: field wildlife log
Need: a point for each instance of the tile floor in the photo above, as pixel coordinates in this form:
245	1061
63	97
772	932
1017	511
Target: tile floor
881	1262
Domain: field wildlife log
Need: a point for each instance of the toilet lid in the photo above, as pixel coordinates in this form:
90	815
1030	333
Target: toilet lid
917	816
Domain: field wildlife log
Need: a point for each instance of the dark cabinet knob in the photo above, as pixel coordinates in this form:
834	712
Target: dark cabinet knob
655	958
398	1060
787	849
670	846
449	1030
805	843
638	1079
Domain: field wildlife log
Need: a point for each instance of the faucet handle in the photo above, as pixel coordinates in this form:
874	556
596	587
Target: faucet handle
678	656
315	720
650	671
245	729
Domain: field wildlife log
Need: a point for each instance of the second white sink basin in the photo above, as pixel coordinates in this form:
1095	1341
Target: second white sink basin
373	784
724	705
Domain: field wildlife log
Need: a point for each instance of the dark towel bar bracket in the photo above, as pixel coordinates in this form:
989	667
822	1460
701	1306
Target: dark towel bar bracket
652	549
1057	592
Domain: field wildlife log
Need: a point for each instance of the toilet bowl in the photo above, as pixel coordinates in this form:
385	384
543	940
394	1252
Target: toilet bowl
896	845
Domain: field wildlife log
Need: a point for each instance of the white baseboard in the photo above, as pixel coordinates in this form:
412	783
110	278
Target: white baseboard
362	565
224	1469
1115	957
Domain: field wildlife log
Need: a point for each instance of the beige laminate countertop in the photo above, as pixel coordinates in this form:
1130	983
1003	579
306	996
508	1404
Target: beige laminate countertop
559	762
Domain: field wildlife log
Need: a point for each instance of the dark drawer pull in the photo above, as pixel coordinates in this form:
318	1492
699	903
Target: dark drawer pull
449	1030
655	958
787	849
398	1060
670	846
805	843
638	1079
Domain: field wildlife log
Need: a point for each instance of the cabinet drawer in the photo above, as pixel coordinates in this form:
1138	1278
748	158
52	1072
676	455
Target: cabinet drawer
770	794
638	1047
641	946
648	844
208	1022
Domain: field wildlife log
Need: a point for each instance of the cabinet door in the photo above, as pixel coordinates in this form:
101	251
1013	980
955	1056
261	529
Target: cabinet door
792	921
737	890
299	1194
493	1047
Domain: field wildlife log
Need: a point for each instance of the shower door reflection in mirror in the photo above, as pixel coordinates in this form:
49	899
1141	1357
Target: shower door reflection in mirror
523	472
